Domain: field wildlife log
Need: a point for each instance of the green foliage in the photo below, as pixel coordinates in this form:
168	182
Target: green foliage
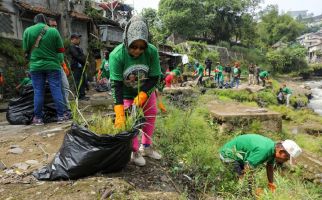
197	51
179	16
288	59
190	142
9	48
92	12
274	27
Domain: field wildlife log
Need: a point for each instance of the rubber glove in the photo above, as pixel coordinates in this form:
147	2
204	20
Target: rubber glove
162	107
119	116
140	99
272	187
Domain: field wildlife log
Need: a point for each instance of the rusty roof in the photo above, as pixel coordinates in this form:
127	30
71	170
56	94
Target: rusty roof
80	16
35	9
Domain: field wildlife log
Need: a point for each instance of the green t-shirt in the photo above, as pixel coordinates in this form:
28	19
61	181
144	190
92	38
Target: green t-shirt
287	90
263	74
200	70
46	55
252	148
25	81
105	69
219	67
133	71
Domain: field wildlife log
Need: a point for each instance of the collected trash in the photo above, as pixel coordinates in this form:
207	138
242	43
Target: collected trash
21	110
84	153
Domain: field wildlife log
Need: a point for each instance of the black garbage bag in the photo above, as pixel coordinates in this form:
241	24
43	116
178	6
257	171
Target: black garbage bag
21	110
84	153
102	87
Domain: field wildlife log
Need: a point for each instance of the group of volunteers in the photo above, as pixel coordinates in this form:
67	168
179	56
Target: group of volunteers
44	51
228	76
136	79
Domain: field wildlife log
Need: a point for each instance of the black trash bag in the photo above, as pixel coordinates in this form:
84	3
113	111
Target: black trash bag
102	87
84	153
21	110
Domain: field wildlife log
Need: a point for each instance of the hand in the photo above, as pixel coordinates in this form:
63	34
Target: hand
271	187
140	99
162	107
119	116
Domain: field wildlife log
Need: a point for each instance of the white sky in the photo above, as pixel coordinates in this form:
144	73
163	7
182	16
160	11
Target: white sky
140	4
314	6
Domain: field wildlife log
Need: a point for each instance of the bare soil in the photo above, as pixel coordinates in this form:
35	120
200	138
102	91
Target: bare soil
42	142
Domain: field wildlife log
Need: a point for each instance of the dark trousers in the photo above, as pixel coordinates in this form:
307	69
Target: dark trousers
263	80
209	70
80	81
38	82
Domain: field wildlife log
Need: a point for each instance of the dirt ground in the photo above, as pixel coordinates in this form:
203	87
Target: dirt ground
41	144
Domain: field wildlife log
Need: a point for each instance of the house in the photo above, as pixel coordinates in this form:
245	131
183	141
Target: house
17	15
313	43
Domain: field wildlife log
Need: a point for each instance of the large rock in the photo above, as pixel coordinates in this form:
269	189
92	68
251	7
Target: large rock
233	116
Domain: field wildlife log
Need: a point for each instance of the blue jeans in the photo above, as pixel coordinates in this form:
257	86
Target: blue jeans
235	79
65	88
38	82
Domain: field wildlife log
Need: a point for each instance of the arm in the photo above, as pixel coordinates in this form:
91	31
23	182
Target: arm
270	172
117	92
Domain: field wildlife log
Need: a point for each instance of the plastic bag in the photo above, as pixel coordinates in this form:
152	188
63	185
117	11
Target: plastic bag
21	109
84	153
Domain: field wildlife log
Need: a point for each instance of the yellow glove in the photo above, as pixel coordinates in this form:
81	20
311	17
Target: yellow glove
162	107
140	99
119	116
272	187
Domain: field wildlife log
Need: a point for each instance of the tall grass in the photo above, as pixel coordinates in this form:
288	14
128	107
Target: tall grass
190	143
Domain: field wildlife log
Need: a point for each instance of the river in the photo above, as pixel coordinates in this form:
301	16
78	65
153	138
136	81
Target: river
316	101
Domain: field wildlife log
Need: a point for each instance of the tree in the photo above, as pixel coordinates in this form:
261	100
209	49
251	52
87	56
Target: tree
183	17
274	27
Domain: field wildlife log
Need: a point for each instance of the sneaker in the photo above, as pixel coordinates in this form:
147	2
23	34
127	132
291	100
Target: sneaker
149	152
61	120
137	158
37	122
68	115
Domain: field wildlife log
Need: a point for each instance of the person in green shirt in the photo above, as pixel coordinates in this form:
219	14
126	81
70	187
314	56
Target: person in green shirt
251	150
288	92
105	70
42	45
135	72
25	81
200	74
219	70
263	75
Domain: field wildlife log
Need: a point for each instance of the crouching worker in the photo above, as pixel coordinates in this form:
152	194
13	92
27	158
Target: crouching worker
134	73
251	150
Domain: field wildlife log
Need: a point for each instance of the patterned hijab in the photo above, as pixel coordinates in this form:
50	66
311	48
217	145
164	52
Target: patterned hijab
136	29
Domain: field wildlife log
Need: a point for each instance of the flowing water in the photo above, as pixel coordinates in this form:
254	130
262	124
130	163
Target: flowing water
316	101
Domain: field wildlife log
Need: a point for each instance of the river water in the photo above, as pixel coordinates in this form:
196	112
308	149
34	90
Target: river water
316	101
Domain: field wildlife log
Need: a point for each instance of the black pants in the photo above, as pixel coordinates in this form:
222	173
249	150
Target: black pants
80	81
200	81
209	70
263	80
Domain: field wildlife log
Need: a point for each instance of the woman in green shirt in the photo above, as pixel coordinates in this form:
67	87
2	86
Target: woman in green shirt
134	73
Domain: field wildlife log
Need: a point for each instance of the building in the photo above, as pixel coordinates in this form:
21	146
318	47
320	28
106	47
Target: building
17	15
313	43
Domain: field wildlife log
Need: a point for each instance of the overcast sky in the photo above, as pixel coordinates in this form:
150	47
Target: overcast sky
314	6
